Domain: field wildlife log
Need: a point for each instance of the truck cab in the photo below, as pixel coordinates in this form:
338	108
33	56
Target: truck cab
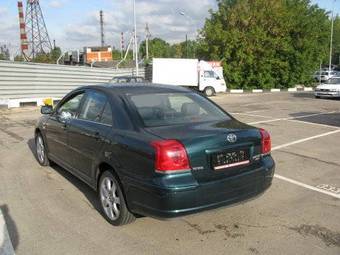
211	79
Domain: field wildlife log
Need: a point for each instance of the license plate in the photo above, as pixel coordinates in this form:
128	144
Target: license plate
228	159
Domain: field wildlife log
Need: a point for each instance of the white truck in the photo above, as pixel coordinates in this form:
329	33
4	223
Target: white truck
204	76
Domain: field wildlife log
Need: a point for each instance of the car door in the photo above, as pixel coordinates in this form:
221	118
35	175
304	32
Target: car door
87	132
57	125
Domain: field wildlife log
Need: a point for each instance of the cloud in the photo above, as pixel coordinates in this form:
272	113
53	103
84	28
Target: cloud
56	4
9	31
74	31
163	17
3	11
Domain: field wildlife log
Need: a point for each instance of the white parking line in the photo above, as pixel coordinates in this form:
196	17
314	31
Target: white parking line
307	186
6	247
305	139
251	115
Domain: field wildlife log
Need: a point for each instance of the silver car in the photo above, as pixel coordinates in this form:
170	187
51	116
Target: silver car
325	75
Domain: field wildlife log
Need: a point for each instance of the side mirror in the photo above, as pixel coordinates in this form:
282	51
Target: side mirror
218	78
46	109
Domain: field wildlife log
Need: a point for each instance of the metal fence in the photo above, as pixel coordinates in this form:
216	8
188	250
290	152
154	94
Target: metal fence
31	80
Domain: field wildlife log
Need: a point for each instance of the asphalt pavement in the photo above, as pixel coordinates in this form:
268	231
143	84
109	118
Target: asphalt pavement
48	211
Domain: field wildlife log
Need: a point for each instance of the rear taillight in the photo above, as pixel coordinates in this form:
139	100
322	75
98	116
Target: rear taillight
265	142
170	156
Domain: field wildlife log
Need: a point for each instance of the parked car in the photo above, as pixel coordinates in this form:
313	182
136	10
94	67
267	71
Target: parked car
153	150
128	79
330	89
324	76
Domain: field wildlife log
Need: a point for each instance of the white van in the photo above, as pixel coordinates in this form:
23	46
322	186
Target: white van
201	75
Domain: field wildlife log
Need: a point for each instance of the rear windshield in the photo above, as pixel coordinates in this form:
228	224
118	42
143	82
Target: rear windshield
166	109
334	81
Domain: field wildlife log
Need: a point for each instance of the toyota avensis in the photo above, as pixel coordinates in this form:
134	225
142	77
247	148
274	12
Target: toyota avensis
154	150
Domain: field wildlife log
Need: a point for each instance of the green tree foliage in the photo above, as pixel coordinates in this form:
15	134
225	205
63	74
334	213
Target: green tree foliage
55	54
336	42
186	49
158	48
19	58
2	56
4	53
266	43
50	58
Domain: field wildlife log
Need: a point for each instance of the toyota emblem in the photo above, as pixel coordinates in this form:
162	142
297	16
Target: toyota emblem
232	138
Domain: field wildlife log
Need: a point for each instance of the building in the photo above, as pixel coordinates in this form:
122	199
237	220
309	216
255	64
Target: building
97	54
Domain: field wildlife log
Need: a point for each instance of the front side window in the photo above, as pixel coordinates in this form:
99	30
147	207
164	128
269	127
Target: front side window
93	106
175	108
106	117
70	108
209	74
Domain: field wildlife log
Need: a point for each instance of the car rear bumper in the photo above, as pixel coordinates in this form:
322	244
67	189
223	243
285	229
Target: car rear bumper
162	202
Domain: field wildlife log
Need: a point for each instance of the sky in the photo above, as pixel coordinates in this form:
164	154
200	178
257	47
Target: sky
75	23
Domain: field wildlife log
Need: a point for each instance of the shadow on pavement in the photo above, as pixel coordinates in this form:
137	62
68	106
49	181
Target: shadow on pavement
89	193
303	94
330	119
11	227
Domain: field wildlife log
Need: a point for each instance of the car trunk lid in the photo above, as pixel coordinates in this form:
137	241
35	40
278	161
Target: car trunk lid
210	153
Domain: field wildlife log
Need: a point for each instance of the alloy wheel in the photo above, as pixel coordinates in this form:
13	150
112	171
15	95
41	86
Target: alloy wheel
109	197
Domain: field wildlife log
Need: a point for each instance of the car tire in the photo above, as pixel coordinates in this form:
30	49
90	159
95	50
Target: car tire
209	91
41	150
317	97
112	200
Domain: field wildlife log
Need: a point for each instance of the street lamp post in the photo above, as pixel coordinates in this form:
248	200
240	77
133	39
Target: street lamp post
331	42
135	36
186	35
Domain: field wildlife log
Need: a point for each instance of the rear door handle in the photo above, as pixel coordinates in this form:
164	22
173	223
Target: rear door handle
96	136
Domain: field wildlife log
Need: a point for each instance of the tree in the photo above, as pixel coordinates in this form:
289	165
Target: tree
158	48
19	58
55	55
265	43
2	56
186	49
4	53
336	42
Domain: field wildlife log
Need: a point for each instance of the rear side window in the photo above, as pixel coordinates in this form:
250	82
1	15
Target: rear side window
96	108
166	109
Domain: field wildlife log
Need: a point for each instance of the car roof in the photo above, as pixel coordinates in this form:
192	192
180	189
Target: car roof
137	88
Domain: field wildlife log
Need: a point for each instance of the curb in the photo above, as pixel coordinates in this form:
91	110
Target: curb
236	91
275	90
256	91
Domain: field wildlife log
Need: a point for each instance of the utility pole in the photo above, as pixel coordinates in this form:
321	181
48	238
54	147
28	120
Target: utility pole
122	46
331	42
186	45
102	28
135	37
147	36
